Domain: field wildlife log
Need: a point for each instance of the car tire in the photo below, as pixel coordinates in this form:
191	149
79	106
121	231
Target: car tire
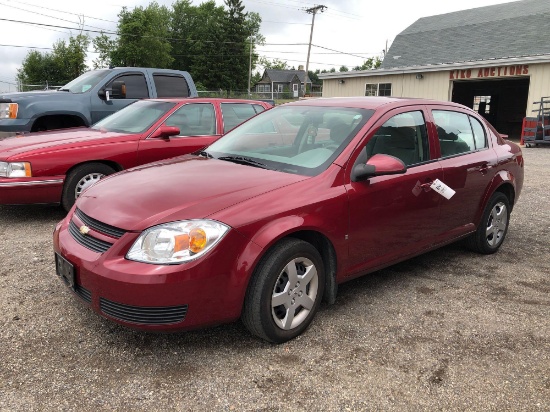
493	227
80	178
290	260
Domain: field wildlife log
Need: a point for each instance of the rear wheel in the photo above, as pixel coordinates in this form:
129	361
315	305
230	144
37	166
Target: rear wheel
285	291
81	178
492	230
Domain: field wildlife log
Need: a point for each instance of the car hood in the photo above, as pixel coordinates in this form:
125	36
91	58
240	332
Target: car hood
14	145
17	96
187	187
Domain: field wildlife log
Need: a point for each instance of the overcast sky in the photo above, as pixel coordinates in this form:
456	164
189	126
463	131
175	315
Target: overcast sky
359	28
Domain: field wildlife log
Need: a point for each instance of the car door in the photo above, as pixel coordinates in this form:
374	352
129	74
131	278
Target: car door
198	126
468	165
136	88
394	216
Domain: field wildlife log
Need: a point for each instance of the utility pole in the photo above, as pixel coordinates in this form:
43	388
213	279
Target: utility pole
313	11
250	66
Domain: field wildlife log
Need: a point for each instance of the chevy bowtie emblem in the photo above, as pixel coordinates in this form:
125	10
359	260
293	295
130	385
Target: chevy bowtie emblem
84	229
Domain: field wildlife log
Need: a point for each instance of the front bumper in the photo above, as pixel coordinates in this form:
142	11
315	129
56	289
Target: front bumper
15	125
28	190
207	291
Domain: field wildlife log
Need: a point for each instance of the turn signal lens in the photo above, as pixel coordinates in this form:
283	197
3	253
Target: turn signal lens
197	240
8	110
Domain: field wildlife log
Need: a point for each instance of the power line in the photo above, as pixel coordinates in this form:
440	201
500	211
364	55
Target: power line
66	12
47	15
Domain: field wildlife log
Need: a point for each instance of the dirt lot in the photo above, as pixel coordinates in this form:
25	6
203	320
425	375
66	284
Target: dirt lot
450	330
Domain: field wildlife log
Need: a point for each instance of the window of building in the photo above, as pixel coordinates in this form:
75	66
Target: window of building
280	88
482	104
371	89
384	89
378	89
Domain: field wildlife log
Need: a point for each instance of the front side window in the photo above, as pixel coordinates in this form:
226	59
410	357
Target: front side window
403	136
136	86
301	140
196	119
454	132
135	118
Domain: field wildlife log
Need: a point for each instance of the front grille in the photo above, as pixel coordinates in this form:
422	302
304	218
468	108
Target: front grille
99	226
88	241
143	315
84	293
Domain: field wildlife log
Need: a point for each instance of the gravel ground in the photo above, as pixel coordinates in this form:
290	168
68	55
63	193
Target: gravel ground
449	330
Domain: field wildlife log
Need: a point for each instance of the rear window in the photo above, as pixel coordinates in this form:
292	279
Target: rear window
171	86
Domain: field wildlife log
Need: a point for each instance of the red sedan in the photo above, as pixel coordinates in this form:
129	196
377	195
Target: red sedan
268	220
55	167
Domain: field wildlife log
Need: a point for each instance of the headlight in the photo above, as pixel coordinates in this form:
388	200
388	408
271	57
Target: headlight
8	110
16	169
177	242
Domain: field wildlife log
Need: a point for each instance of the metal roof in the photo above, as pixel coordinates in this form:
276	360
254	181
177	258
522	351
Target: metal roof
516	29
285	76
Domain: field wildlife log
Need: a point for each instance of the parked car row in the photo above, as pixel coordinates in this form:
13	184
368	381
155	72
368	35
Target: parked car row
265	222
57	166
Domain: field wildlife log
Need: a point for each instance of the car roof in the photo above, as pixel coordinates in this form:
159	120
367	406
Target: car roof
207	100
370	102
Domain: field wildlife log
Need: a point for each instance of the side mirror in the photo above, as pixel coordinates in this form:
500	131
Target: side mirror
118	89
165	131
378	165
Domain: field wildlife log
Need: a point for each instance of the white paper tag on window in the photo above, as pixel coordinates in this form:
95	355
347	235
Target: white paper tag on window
442	189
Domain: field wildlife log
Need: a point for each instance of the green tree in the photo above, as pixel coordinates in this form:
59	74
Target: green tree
369	64
236	35
206	46
275	64
103	45
64	63
344	69
143	37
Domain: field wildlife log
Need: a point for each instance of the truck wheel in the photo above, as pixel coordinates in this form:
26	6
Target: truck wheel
81	178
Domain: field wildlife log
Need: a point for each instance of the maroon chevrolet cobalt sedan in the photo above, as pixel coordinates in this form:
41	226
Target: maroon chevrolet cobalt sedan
266	222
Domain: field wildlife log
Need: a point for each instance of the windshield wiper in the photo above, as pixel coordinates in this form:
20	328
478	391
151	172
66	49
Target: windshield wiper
243	161
63	90
204	153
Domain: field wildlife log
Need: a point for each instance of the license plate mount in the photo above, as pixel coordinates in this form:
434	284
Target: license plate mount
65	270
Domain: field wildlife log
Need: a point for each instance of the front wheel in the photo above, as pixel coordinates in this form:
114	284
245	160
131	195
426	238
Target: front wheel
81	178
285	291
492	230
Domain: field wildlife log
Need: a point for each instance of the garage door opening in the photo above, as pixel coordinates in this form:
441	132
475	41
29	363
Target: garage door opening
502	102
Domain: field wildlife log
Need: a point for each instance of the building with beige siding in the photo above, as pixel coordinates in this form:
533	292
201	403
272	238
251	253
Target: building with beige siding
494	59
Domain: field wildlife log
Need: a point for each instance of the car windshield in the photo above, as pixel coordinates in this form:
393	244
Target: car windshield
293	139
85	82
135	118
